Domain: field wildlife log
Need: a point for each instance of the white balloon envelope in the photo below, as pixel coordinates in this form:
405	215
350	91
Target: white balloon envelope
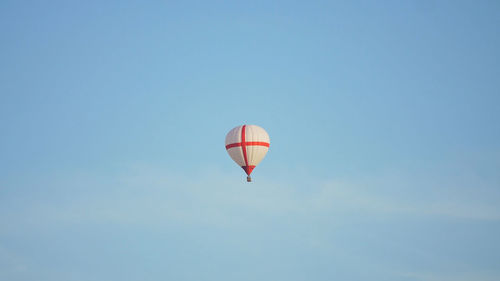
247	145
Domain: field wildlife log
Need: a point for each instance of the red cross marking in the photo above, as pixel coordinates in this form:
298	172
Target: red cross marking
244	144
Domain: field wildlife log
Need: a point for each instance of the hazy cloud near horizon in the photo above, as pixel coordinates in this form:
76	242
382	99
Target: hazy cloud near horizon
335	220
153	195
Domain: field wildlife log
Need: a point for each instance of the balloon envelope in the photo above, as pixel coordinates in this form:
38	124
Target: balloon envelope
247	145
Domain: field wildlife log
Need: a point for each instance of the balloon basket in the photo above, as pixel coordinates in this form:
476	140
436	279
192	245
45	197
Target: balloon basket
249	179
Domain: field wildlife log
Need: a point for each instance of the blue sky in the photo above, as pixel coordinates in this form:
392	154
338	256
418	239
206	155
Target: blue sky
383	119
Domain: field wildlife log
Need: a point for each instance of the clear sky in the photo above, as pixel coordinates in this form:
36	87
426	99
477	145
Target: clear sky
383	117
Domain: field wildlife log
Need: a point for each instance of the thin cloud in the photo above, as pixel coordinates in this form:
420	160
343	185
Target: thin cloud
154	197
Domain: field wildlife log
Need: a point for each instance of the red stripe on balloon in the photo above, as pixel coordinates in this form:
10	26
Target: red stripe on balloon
256	143
243	145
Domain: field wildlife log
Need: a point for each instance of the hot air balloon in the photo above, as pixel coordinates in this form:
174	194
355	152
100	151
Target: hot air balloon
247	145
